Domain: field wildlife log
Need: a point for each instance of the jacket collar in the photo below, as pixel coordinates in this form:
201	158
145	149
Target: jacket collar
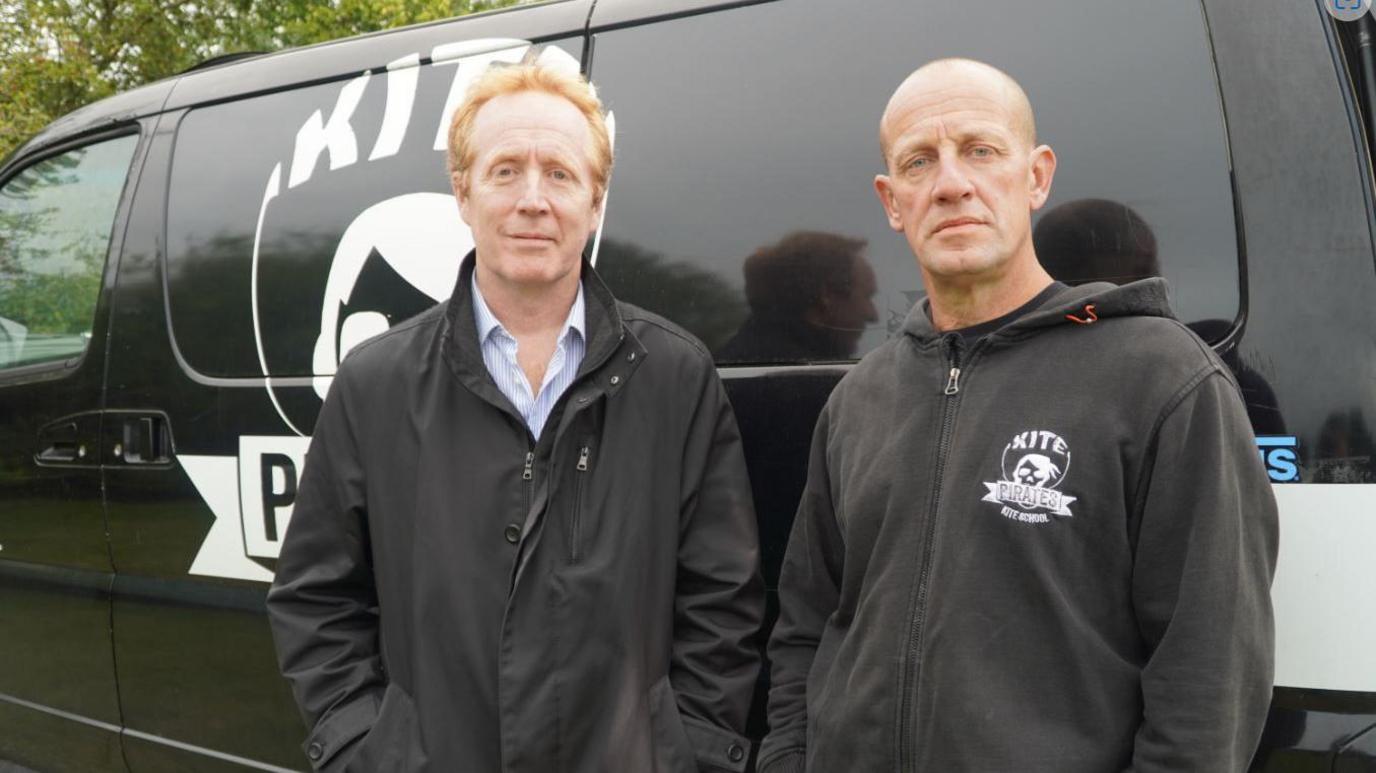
604	330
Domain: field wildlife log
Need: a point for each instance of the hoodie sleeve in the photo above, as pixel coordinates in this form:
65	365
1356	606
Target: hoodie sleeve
719	595
1205	557
809	592
323	604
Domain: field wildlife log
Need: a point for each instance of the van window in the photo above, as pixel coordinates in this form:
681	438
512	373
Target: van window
742	203
55	221
301	222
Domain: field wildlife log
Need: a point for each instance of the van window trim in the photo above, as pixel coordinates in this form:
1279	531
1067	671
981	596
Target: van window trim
57	369
1346	87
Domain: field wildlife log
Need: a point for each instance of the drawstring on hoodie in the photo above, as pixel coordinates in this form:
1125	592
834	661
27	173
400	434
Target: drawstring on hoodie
1089	313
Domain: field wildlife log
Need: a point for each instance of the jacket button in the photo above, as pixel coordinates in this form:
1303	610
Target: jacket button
630	357
315	752
616	380
512	533
735	753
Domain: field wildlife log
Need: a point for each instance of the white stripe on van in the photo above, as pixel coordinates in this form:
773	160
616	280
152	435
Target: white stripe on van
1325	587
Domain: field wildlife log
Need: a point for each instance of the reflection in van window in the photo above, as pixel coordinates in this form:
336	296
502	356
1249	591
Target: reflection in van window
55	223
761	138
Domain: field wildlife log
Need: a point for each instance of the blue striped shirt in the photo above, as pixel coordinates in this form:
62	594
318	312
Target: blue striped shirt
499	355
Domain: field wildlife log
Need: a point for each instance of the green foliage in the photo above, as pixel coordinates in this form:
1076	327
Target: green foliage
51	304
57	55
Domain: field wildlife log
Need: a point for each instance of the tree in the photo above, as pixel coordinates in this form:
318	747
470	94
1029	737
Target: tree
57	55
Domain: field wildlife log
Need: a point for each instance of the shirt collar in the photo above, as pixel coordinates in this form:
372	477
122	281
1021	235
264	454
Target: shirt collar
488	322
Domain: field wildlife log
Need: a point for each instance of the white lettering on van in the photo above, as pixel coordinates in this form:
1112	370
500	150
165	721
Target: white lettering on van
402	77
269	470
468	69
251	497
336	136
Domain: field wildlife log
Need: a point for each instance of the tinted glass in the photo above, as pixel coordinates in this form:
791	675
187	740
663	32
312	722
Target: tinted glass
55	222
302	222
747	146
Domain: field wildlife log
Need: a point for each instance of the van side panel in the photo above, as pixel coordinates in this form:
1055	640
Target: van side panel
194	655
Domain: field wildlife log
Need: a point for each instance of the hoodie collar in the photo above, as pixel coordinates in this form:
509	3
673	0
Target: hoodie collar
1146	297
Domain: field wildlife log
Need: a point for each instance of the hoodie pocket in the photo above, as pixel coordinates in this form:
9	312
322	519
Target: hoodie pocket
673	753
581	470
390	746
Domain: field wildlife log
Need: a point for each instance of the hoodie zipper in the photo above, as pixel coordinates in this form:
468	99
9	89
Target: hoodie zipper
580	474
912	664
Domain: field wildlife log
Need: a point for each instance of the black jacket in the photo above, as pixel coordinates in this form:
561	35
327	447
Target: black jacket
1052	552
464	599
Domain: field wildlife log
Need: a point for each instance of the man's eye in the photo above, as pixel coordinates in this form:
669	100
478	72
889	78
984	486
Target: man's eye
560	175
503	171
981	151
919	163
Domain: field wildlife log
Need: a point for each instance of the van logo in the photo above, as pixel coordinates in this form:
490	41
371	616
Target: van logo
1034	462
396	257
1347	10
411	243
251	497
1280	456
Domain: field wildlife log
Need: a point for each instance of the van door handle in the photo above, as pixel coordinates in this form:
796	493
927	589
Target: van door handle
144	438
60	443
70	440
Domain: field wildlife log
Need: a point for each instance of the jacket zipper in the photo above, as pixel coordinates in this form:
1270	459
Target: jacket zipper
580	474
528	475
912	656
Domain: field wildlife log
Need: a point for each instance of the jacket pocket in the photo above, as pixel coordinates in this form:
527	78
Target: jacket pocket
580	476
390	746
673	753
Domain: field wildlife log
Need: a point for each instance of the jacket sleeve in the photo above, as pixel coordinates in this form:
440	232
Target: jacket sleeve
323	605
1205	556
719	596
809	592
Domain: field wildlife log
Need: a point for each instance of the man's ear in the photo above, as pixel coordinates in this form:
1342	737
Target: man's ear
459	184
1041	168
883	188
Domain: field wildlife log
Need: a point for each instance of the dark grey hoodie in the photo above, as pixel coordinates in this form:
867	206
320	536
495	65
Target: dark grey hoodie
1051	552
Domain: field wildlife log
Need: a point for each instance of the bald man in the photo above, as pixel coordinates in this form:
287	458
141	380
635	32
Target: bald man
1036	535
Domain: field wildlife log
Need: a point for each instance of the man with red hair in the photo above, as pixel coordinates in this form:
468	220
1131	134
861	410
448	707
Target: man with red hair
524	540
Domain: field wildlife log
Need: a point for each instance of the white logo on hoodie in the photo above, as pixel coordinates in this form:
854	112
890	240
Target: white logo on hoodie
1034	464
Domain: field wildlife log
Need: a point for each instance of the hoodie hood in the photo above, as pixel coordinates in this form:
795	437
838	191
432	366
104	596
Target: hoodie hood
1083	304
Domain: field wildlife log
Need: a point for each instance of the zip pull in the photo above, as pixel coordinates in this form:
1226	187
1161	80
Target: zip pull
527	473
953	382
954	343
583	459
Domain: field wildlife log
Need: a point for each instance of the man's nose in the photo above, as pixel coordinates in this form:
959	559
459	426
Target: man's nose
533	195
952	181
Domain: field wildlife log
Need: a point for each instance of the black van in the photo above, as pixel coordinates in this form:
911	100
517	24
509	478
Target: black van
183	266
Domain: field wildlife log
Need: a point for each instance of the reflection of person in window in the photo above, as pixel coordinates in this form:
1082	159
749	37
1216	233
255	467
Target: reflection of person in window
810	295
1095	240
1346	452
1099	240
11	341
